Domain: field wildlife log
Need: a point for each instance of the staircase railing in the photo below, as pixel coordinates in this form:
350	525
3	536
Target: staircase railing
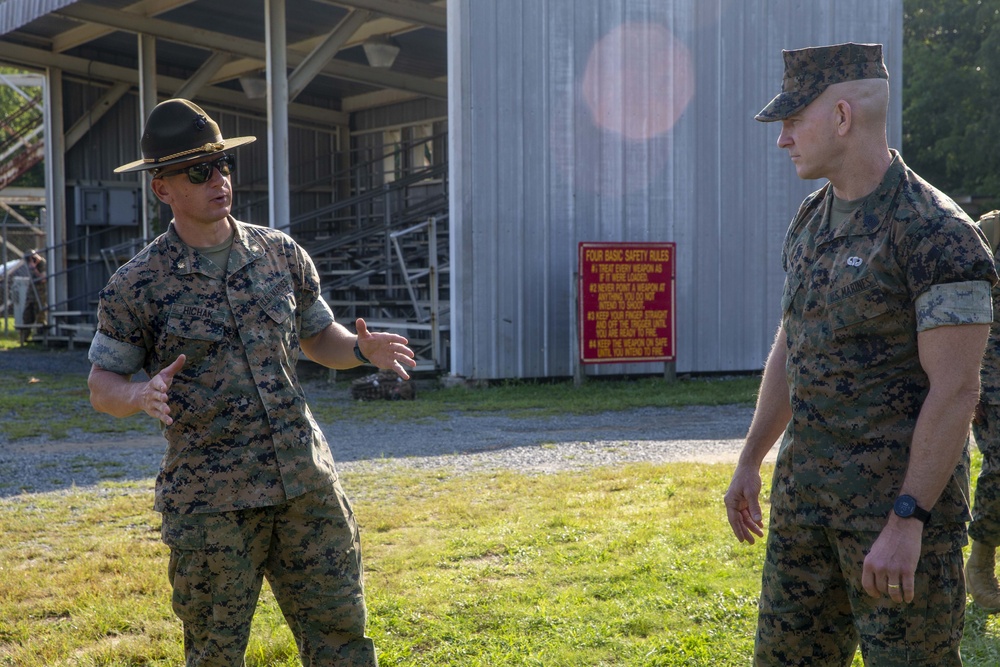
20	150
382	253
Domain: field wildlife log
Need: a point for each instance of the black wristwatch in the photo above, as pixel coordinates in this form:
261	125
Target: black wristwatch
906	506
357	354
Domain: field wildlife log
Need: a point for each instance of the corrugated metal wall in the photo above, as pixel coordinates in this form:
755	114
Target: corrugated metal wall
627	120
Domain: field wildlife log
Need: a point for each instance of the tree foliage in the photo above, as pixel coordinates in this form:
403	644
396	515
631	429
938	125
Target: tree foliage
951	95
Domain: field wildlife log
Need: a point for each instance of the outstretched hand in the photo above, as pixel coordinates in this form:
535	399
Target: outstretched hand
153	396
387	351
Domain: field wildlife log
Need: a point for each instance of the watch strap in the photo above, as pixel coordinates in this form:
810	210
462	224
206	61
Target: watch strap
358	355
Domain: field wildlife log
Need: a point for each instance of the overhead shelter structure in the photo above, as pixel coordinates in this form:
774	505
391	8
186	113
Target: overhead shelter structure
540	124
349	99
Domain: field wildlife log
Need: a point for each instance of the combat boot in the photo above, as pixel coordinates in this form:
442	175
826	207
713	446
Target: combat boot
981	576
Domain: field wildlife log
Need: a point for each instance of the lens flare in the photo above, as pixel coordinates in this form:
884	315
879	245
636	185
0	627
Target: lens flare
638	80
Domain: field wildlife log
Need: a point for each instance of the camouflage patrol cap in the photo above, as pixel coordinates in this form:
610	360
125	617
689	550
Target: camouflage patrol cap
808	72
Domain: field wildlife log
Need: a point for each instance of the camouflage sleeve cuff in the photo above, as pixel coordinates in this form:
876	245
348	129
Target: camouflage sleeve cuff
115	356
955	303
316	318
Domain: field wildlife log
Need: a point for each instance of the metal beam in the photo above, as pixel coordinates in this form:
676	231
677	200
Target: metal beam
324	52
376	98
18	217
429	15
89	32
20	196
88	69
173	32
16	81
101	107
213	41
340	69
202	77
377	26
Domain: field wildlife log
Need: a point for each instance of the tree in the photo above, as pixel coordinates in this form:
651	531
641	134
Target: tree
951	95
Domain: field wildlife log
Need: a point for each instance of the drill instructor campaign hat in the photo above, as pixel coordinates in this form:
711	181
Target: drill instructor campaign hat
808	72
178	130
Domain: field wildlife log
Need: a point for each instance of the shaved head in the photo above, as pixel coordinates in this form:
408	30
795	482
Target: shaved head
868	99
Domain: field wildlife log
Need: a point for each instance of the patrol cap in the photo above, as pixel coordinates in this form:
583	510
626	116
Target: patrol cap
178	130
808	72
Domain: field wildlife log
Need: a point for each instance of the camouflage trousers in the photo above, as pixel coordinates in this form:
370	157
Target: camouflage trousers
985	526
309	550
814	610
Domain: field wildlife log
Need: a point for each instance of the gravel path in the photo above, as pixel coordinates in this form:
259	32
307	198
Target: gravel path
457	443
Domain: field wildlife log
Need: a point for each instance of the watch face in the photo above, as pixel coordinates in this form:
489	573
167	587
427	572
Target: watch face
905	506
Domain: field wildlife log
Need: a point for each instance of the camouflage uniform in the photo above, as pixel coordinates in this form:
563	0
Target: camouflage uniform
985	526
855	297
247	486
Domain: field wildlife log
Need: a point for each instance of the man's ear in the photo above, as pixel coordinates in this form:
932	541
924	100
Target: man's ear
160	189
843	116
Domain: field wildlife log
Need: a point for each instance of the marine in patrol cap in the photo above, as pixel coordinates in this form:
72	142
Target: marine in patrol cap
808	72
176	131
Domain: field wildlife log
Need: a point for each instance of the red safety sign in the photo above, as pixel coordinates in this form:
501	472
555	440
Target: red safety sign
626	302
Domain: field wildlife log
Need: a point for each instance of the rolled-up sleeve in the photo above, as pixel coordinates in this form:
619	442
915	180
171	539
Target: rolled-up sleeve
119	345
116	356
316	317
952	304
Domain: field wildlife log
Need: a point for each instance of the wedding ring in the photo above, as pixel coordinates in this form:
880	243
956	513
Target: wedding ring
893	585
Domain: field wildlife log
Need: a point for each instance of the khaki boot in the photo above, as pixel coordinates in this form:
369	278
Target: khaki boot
981	576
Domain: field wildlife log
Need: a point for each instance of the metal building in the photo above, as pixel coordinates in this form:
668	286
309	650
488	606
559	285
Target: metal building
627	121
540	124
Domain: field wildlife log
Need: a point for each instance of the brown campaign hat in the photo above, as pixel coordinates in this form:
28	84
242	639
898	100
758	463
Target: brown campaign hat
808	72
178	130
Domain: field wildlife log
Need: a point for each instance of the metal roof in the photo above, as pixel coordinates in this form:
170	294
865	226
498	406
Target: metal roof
97	39
16	13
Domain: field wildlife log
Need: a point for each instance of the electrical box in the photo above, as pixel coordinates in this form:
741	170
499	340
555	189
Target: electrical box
107	206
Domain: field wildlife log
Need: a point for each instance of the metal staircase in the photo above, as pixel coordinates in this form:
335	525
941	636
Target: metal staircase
383	254
21	141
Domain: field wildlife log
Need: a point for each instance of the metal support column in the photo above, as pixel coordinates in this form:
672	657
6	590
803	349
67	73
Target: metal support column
432	263
279	201
147	100
55	188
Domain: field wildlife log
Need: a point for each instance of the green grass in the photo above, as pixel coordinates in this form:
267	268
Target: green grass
8	335
631	566
56	406
620	566
534	399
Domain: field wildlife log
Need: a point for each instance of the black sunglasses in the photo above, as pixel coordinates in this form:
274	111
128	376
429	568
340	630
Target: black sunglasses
201	172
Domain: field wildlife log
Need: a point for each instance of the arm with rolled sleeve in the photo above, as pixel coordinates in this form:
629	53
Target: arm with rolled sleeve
953	326
330	344
114	361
